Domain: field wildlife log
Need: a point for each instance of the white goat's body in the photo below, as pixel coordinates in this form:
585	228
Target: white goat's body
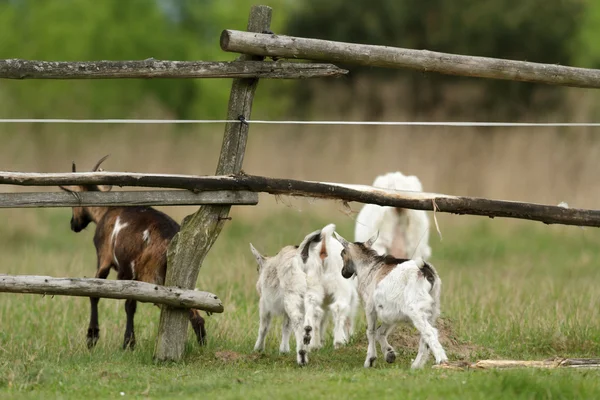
327	291
403	233
282	288
403	290
404	294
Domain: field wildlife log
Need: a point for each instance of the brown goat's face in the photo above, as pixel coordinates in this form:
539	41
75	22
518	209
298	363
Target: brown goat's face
81	217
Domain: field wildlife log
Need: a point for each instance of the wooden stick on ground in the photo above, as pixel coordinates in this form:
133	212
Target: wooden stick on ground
593	363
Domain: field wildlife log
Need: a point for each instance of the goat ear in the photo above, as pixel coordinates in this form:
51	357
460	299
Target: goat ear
309	238
328	230
340	239
104	188
372	240
260	259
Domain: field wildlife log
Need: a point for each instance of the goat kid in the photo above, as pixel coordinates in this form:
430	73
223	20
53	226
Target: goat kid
395	290
281	286
327	291
133	241
403	233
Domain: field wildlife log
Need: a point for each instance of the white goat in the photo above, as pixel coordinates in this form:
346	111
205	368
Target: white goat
395	290
281	286
403	233
327	290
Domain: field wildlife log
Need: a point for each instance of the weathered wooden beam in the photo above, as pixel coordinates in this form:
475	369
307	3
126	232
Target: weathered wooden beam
200	230
395	57
151	68
360	193
124	198
92	287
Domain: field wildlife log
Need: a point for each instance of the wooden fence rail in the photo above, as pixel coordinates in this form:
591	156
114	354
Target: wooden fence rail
364	194
140	291
394	57
151	68
125	198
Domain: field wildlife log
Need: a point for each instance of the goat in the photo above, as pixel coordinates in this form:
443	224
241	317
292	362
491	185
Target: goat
395	290
281	286
403	233
134	242
327	290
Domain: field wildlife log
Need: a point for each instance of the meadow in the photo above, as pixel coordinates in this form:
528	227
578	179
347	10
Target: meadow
511	289
519	290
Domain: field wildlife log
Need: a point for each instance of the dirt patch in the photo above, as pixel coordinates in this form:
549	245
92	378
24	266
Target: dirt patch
405	338
228	356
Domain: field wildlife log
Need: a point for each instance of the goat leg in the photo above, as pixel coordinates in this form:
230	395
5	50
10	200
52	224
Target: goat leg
93	333
129	340
198	325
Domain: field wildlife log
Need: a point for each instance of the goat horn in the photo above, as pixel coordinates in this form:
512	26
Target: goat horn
100	162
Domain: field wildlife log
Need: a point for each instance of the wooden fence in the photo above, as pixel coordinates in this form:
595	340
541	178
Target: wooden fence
217	193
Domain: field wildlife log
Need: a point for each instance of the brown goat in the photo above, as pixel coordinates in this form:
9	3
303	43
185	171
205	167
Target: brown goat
133	241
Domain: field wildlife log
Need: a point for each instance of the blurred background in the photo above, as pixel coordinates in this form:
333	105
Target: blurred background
546	165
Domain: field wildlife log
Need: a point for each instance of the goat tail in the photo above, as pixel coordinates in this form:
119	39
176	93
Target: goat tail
432	276
428	271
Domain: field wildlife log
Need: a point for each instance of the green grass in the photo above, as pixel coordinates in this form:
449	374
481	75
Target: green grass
510	290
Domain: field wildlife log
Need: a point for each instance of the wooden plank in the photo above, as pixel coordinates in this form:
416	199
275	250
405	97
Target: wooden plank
547	214
92	287
200	230
151	68
126	198
396	57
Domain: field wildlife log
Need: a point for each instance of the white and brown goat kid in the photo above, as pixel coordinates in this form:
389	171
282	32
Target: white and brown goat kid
395	290
327	291
281	286
133	241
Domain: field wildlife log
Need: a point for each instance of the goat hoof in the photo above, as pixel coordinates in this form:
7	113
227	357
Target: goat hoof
370	362
129	346
337	345
390	356
129	343
302	359
92	337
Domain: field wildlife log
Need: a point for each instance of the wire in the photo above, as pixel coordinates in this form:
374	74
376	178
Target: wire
381	123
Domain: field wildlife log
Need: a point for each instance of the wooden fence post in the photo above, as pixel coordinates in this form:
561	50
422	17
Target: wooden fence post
200	230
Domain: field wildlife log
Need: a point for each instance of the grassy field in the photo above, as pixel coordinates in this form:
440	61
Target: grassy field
511	290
